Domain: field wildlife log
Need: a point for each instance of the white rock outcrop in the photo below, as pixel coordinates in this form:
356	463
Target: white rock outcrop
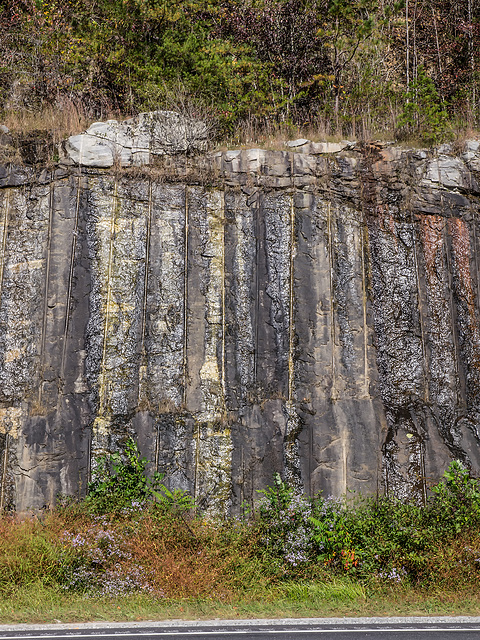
318	148
133	142
452	172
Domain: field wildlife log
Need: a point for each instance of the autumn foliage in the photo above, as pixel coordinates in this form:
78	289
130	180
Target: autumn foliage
349	65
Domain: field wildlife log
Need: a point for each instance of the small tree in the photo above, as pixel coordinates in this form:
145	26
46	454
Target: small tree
348	25
423	114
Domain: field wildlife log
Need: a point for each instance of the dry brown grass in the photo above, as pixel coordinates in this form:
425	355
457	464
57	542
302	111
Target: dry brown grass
181	557
69	118
191	559
63	120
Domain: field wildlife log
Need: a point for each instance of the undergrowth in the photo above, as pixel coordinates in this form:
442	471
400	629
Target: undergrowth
133	538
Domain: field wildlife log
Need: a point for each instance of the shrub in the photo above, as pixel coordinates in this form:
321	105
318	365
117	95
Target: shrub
377	538
456	503
423	114
121	484
285	519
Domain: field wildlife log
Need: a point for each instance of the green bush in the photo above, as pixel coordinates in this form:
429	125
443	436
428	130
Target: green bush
377	538
423	112
121	484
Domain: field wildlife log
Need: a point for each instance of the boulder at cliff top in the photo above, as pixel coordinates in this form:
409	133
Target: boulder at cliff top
133	142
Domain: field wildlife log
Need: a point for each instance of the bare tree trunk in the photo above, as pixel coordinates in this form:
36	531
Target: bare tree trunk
436	39
415	56
408	45
471	54
336	108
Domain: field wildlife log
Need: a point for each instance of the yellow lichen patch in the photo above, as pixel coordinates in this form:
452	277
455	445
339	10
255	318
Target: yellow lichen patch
209	370
26	265
101	425
10	420
211	379
14	354
100	433
213	483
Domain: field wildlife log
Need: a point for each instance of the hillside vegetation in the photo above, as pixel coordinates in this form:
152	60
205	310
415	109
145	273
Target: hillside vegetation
336	67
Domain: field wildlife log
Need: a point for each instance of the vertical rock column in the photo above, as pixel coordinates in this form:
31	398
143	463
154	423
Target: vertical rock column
162	424
25	229
444	389
464	274
357	411
335	368
314	356
260	338
205	349
275	332
55	429
240	269
400	351
117	228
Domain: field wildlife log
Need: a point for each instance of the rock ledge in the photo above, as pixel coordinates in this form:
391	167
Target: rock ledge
133	142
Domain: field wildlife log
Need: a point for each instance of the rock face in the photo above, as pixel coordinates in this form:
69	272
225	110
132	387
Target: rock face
241	314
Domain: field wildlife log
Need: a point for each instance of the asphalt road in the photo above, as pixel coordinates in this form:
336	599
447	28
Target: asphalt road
320	629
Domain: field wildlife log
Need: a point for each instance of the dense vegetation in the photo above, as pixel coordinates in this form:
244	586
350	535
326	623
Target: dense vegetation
341	67
132	535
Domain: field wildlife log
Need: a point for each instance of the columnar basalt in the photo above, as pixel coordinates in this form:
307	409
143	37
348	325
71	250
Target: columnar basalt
240	314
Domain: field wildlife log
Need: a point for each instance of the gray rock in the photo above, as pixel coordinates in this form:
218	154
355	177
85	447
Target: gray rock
472	145
300	142
89	151
312	315
135	141
445	148
448	171
472	154
317	148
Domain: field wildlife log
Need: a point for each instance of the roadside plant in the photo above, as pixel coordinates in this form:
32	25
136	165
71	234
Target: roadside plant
98	561
333	540
121	484
456	501
285	517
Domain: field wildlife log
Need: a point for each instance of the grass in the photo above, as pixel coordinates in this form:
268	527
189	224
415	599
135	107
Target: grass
39	604
56	123
63	120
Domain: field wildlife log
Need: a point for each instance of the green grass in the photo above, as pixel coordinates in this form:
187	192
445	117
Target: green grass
39	604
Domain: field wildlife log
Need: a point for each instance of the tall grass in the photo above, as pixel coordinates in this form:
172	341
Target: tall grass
29	553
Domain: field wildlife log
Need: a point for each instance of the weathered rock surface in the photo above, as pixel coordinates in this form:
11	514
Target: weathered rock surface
240	314
134	142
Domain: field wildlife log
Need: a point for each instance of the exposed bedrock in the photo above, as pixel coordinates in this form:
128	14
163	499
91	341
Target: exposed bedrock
241	314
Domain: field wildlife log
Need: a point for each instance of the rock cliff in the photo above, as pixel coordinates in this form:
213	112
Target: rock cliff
242	313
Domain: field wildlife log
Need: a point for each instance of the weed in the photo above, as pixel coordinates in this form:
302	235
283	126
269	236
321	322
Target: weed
121	485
